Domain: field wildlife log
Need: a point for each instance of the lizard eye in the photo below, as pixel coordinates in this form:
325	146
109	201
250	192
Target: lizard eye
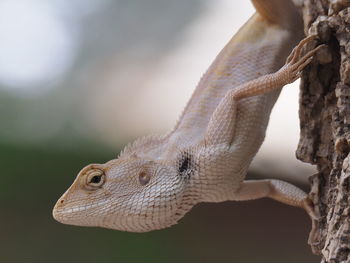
95	178
144	178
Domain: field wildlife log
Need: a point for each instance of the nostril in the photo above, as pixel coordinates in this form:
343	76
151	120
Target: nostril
58	209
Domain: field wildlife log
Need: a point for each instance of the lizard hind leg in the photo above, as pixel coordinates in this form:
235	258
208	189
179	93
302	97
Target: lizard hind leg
287	74
222	123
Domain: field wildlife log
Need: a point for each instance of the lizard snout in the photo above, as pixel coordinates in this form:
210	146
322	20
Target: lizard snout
56	210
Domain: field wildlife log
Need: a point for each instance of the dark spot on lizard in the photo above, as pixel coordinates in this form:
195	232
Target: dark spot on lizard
186	167
185	164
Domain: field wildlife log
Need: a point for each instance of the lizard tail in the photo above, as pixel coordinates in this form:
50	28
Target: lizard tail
282	12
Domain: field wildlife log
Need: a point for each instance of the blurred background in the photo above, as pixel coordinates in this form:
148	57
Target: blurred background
78	80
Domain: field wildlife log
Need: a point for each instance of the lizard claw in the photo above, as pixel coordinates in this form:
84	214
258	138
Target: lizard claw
294	55
306	59
296	63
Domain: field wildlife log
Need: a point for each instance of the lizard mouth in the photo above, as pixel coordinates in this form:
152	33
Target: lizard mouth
67	214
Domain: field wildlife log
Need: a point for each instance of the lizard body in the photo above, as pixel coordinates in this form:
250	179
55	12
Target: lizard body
156	180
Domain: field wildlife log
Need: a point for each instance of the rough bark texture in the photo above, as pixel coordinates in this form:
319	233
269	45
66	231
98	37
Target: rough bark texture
325	126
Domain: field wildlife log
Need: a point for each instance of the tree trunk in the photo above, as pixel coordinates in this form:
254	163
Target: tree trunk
325	126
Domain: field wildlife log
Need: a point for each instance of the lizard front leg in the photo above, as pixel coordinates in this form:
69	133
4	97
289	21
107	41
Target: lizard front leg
221	126
275	189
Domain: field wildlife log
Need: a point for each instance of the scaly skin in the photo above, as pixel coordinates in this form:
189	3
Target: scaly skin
156	180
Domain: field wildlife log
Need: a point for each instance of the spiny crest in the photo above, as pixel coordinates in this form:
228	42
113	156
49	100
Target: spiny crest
141	144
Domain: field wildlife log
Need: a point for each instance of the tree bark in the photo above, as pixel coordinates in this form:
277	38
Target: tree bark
325	126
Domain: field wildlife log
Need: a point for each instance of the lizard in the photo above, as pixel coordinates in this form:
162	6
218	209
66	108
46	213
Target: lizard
156	180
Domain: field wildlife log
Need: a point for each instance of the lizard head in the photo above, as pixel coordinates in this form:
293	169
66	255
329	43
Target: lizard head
129	194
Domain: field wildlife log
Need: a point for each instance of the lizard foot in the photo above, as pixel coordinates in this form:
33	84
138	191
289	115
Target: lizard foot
296	63
295	54
314	238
